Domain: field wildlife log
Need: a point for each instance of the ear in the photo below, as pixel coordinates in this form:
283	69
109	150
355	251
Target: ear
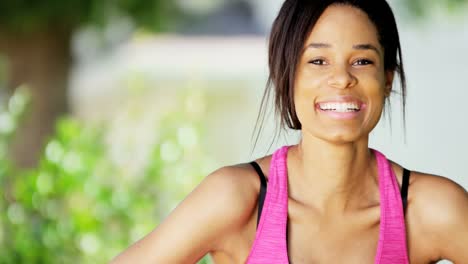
389	75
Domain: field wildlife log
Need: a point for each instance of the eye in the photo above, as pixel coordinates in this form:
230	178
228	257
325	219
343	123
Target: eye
318	62
363	62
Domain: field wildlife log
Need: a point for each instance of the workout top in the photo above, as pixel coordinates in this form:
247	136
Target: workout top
270	244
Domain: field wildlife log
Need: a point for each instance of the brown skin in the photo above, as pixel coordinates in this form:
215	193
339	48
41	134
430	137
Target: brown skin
333	202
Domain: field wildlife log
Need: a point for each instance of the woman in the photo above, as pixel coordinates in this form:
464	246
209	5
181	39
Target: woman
328	199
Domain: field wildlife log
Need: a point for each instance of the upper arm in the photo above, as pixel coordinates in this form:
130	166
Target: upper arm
222	203
442	209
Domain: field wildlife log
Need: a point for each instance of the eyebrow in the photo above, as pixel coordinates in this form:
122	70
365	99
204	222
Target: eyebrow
357	46
366	47
318	45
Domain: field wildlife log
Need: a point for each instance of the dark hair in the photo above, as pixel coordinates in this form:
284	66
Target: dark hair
289	32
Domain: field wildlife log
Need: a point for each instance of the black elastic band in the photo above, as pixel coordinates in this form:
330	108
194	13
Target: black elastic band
404	188
263	185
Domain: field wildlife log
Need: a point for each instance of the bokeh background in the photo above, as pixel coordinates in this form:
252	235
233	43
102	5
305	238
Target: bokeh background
112	111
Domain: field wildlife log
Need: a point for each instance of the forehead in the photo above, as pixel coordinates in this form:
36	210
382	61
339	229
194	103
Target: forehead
344	24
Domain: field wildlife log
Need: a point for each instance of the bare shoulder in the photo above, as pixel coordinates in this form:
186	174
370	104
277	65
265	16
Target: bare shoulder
228	197
437	198
437	213
236	186
219	206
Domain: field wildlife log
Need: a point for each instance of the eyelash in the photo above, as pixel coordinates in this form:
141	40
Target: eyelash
322	62
367	62
317	60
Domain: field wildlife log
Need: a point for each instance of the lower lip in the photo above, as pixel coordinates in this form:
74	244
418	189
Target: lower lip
340	115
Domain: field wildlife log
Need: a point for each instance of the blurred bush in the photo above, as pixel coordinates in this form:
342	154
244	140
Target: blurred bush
80	205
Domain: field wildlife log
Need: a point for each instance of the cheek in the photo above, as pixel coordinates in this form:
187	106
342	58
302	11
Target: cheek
308	84
306	91
373	87
372	83
305	86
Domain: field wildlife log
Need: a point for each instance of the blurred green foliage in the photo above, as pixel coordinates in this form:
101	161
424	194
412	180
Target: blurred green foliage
20	16
421	8
81	206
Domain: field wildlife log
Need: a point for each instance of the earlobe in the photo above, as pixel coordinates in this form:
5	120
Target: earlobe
388	90
388	82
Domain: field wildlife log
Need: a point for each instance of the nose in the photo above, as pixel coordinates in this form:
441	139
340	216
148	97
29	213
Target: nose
341	78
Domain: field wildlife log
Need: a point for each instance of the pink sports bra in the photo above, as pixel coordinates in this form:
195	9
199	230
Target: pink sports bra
270	244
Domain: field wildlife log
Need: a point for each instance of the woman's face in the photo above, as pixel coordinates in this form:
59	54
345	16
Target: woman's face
341	84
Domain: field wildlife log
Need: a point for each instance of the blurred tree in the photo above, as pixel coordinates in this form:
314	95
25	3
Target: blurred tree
85	204
421	7
35	38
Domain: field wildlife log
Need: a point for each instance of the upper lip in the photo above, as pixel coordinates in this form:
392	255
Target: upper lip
342	99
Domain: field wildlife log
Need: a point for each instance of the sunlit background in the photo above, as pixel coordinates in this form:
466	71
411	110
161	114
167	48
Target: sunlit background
112	111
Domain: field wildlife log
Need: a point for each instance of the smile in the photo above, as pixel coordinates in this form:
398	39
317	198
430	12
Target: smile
344	107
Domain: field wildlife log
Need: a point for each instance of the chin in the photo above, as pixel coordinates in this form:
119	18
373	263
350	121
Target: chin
341	136
342	139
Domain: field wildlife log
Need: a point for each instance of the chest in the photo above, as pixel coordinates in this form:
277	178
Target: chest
311	239
348	239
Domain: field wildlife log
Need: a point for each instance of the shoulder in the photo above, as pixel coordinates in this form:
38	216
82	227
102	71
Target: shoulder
236	185
231	190
437	198
232	193
437	210
218	207
228	198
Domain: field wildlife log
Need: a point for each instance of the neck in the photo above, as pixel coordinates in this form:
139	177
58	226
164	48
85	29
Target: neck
331	176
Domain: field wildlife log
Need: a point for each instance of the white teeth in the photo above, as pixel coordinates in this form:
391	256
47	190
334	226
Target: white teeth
340	107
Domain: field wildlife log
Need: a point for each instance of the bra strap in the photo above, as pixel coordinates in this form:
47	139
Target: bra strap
263	186
404	188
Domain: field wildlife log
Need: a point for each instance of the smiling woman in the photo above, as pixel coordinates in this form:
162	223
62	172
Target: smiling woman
344	75
330	198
